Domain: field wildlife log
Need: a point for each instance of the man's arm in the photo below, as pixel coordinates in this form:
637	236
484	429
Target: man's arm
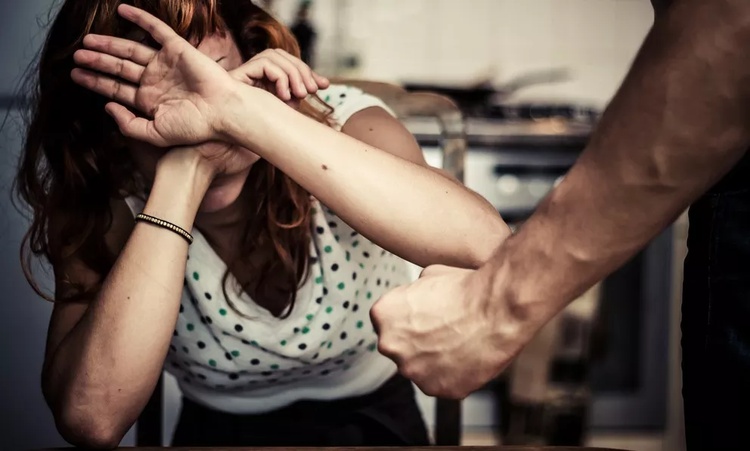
678	123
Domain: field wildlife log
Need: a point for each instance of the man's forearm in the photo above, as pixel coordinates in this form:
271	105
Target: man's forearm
679	122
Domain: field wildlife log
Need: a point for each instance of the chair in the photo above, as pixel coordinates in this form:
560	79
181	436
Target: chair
453	146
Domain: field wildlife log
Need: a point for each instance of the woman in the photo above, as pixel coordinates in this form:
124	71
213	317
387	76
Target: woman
264	317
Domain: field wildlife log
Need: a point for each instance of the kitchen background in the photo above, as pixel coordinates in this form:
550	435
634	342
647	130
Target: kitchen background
580	50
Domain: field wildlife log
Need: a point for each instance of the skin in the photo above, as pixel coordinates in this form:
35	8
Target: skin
677	124
104	356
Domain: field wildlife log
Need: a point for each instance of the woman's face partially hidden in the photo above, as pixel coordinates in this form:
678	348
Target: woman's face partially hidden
226	187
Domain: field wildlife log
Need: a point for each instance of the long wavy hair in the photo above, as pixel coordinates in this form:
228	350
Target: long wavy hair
75	161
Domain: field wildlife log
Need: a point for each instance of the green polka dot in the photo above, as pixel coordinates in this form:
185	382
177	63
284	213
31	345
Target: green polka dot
337	238
305	330
283	342
341	286
323	343
319	280
328	249
356	293
212	362
196	276
274	367
254	343
330	344
355	243
360	324
329	309
327	99
348	256
236	353
310	317
362	265
222	312
372	348
190	327
369	295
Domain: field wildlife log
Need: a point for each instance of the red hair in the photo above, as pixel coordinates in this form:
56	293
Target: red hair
74	160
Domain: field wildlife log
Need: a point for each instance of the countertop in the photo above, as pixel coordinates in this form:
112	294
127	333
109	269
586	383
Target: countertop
483	132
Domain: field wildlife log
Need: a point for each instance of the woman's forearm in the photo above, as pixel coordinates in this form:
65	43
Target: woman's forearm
406	208
103	372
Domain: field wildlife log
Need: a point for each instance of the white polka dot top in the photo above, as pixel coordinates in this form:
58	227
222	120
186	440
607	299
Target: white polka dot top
326	348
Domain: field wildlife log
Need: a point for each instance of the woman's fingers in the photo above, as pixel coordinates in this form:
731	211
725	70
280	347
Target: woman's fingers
112	89
297	83
304	70
122	48
158	30
133	126
108	64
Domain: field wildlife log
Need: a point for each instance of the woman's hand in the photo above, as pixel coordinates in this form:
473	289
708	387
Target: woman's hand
181	91
178	88
280	73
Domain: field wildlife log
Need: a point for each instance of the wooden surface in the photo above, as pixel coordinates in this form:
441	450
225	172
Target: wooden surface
433	448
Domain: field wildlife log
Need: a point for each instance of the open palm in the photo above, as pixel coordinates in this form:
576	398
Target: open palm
177	88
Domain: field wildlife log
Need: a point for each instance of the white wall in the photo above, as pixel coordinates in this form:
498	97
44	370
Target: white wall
465	40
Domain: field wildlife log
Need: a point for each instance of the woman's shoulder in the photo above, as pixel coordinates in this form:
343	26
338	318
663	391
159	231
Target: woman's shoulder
346	101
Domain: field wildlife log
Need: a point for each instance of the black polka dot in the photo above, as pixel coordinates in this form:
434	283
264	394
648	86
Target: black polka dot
354	276
319	300
175	333
366	254
302	346
335	267
255	362
313	260
387	283
182	308
207	295
353	234
216	339
203	320
382	253
266	373
234	376
355	307
225	333
228	356
343	95
173	348
245	342
346	304
296	330
343	335
378	282
185	350
316	356
326	326
360	342
325	291
325	372
208	320
201	377
320	230
339	362
238	327
201	345
332	225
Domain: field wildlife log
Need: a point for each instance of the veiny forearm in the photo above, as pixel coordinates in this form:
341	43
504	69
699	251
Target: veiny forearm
103	372
679	122
406	208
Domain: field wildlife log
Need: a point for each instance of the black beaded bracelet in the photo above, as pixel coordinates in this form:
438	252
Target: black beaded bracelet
166	225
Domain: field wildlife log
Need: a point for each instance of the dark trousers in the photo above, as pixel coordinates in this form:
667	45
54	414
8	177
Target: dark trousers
387	417
716	317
